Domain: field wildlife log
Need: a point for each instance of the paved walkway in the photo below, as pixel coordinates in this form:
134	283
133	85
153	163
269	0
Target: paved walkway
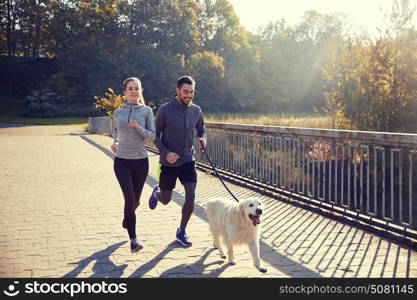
61	213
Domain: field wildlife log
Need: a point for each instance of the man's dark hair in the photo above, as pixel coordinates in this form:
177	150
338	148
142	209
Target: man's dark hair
185	80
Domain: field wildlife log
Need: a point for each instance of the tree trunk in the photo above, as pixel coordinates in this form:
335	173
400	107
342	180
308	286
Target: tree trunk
9	28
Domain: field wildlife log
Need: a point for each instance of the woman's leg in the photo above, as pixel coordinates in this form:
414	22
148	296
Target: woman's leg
139	177
125	177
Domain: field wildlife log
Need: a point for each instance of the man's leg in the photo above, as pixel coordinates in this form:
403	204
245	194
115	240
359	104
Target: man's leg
162	192
167	178
188	178
188	206
164	196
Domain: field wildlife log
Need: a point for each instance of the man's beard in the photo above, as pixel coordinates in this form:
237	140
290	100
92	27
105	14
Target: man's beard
185	100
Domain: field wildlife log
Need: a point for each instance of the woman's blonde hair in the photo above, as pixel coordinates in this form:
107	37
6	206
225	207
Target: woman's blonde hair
140	100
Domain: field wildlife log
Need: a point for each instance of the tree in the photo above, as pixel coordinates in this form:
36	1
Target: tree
9	20
243	80
376	81
22	23
344	74
168	26
208	70
223	33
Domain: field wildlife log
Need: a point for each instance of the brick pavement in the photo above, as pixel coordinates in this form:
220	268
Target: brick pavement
61	213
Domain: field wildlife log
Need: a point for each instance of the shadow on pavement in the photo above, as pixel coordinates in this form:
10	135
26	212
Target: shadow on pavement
197	268
94	144
142	270
102	266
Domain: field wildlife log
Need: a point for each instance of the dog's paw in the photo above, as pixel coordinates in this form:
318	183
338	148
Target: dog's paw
232	262
223	256
263	270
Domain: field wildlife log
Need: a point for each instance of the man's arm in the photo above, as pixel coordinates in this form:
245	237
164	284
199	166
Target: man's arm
159	128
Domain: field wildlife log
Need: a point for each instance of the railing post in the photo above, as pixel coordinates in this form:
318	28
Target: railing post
89	124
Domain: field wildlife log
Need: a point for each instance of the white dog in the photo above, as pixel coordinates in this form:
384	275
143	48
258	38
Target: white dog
236	224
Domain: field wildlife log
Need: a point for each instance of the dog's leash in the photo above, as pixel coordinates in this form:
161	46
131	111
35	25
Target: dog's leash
217	173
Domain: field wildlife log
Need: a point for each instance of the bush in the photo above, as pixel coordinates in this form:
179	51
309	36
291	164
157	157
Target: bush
48	104
109	102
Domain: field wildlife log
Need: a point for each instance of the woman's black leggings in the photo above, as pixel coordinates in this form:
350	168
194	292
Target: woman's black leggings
131	174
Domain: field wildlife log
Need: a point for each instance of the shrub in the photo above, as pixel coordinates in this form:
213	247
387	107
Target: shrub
48	104
109	102
45	104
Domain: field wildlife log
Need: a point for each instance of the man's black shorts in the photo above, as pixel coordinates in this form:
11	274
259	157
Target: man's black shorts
185	173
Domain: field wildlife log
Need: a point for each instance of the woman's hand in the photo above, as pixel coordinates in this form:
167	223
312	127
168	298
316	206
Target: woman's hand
133	124
114	148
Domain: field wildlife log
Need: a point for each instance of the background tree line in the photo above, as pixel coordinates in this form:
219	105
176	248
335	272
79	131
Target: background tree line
83	47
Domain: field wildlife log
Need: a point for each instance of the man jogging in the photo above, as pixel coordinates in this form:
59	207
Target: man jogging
174	129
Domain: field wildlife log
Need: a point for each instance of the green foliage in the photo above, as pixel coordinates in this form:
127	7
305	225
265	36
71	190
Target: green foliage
46	104
243	80
373	83
360	83
208	70
223	33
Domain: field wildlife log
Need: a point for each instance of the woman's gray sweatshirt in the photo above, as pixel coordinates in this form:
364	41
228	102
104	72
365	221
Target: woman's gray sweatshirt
130	141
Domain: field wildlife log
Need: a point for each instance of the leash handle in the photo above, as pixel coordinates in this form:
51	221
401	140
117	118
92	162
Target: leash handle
201	145
202	148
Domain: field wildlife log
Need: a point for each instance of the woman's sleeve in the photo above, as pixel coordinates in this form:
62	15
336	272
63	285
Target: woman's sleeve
148	133
115	132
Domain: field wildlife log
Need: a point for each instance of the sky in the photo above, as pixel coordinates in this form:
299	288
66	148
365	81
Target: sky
364	14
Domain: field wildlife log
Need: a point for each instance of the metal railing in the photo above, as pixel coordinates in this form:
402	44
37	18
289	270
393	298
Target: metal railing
370	173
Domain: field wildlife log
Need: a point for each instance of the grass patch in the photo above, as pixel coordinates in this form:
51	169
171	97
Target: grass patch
288	120
11	110
79	122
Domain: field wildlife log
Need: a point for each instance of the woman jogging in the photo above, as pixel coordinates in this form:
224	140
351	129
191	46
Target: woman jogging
133	124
